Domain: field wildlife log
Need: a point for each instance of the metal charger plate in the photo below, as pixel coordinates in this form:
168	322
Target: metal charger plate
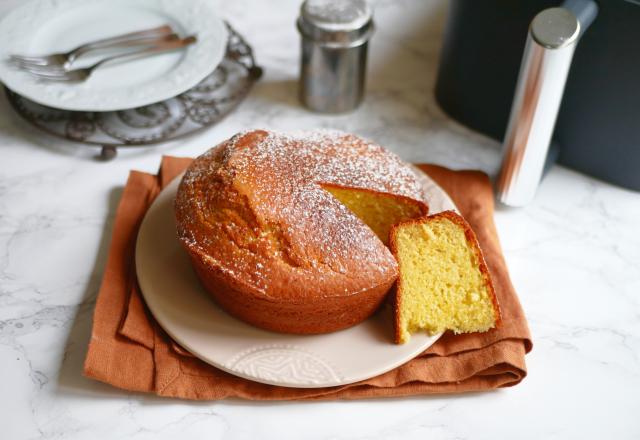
201	106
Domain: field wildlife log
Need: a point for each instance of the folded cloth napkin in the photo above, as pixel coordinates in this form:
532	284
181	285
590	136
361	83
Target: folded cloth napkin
129	350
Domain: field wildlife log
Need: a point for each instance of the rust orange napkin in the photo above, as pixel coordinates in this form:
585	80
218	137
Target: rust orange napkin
129	350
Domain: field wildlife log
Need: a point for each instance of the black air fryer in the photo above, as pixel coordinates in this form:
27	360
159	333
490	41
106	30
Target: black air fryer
598	124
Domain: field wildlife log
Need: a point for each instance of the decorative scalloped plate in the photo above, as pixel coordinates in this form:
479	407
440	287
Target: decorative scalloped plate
47	26
188	314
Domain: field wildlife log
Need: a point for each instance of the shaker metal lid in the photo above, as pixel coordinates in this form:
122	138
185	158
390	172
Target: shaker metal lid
336	23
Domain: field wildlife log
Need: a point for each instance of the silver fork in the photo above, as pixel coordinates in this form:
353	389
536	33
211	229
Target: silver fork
78	75
66	59
53	68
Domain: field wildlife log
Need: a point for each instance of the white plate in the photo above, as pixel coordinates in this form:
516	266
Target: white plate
188	314
46	26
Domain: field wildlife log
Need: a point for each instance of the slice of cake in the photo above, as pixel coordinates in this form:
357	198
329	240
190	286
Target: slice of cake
443	282
378	210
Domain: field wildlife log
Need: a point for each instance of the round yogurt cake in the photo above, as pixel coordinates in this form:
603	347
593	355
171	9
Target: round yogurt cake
272	246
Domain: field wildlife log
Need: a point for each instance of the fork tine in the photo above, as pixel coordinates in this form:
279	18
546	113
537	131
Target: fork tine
39	67
34	64
55	78
31	60
41	70
60	76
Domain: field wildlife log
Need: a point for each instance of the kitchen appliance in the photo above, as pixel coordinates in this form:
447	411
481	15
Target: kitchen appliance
597	130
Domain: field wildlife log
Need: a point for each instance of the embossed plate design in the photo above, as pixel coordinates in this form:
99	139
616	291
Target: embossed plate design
188	314
40	27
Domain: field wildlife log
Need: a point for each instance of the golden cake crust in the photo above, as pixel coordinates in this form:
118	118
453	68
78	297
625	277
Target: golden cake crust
471	239
275	249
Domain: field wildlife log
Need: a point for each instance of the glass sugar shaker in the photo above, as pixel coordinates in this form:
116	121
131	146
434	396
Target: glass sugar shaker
335	36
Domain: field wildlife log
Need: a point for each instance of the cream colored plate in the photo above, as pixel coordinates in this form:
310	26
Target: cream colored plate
189	315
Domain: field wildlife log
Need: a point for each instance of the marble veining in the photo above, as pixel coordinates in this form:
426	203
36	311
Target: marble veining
574	257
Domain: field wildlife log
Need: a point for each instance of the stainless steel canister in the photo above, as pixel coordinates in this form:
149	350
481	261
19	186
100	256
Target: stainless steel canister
335	35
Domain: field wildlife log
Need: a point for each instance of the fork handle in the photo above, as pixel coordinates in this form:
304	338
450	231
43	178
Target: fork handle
161	46
120	40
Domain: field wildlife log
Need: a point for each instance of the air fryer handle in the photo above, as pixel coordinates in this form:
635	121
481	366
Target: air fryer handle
551	41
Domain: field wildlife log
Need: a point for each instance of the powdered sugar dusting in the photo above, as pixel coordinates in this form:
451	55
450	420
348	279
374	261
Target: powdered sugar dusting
331	156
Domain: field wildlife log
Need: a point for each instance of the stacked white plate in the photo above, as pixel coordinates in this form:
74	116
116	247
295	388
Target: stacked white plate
42	27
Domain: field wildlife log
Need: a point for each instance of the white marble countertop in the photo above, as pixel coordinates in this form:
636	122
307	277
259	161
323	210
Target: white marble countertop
574	256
